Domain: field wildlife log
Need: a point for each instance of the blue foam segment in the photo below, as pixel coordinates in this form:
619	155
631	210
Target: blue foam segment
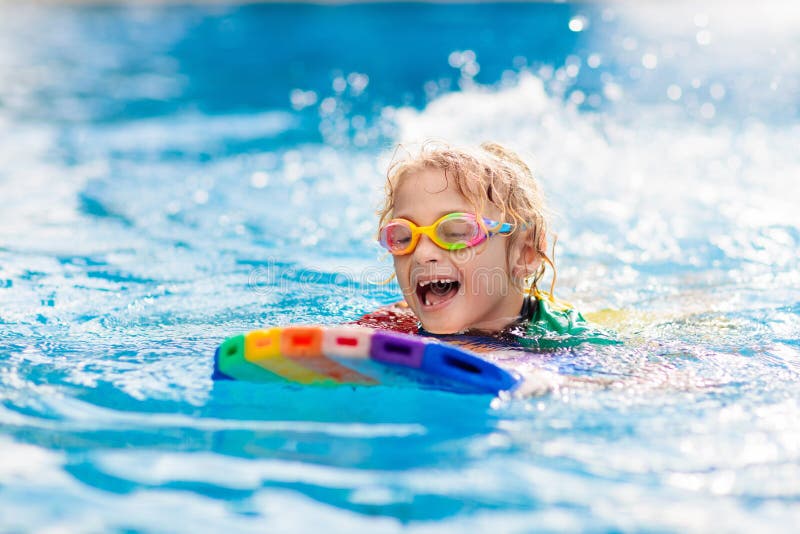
217	374
456	364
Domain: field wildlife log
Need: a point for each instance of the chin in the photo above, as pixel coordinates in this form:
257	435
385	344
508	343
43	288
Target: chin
437	327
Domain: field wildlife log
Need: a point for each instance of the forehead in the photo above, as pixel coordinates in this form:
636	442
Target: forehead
426	194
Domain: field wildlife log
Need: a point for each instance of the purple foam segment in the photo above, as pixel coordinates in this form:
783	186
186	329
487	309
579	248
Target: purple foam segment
399	349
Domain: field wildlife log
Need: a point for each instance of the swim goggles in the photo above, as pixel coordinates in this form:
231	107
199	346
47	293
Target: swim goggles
454	231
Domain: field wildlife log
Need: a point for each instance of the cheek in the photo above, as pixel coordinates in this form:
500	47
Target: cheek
401	265
487	273
398	265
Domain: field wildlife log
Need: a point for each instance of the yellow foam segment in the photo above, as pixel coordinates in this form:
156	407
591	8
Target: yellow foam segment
262	347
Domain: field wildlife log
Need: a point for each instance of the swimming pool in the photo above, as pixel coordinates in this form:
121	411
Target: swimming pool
176	175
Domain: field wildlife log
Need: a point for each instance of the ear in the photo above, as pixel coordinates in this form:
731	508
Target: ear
525	258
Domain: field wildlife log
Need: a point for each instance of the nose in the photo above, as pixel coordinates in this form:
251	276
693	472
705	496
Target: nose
427	251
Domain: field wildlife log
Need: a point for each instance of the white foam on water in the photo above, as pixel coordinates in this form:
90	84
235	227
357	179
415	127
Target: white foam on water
603	156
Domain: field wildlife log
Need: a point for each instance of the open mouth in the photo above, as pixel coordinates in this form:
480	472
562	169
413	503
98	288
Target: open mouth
433	293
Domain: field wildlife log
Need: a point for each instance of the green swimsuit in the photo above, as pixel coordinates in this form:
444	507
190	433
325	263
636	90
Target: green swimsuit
547	327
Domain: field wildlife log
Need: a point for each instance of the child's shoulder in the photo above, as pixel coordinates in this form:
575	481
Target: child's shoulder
555	324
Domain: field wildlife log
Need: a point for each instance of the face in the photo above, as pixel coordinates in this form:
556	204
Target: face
451	291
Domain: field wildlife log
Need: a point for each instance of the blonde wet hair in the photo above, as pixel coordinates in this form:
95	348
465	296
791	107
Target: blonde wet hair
491	175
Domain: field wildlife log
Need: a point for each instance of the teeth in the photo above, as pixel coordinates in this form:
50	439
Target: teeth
440	280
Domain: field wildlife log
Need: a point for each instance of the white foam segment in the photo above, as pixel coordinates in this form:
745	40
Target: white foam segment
346	341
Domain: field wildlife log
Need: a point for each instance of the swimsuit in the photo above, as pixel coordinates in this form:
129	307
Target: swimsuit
545	325
541	324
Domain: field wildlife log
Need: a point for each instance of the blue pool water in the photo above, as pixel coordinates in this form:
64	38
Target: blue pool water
174	175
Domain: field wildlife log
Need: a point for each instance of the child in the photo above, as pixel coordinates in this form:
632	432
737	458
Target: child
468	233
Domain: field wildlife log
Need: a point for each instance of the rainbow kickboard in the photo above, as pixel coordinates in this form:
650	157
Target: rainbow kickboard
355	356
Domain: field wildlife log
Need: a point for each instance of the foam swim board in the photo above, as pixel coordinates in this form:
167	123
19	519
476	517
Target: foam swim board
345	355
